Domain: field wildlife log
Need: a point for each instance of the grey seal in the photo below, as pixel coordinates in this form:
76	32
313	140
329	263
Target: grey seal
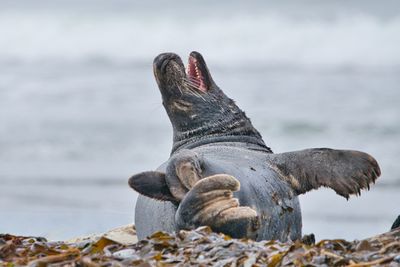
221	173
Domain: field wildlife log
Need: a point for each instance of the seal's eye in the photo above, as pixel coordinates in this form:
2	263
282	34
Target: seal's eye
182	105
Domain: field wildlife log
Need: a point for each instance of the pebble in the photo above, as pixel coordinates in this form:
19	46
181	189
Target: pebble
125	254
397	259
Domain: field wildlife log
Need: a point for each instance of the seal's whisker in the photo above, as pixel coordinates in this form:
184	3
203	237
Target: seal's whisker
193	88
195	81
192	83
190	80
193	91
179	88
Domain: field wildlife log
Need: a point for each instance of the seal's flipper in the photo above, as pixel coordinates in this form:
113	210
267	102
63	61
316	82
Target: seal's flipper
345	171
183	172
151	184
211	202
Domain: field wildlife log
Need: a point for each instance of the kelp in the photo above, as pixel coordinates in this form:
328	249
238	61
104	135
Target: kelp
200	247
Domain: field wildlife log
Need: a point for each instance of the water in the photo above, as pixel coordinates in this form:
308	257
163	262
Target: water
80	111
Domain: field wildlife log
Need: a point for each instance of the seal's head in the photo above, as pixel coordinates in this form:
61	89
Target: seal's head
198	109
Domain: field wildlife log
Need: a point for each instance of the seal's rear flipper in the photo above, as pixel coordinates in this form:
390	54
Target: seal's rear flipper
211	202
345	171
151	184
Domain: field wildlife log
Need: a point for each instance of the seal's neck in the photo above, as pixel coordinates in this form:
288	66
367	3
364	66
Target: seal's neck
229	129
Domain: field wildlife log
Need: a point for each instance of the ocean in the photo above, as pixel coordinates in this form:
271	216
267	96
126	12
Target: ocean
80	111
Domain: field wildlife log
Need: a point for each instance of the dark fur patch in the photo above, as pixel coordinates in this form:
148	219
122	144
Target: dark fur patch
151	184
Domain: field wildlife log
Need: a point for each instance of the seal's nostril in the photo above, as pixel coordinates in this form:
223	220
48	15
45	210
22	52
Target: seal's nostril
162	60
168	70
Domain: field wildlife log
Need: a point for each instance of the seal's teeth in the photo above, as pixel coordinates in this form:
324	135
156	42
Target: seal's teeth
195	75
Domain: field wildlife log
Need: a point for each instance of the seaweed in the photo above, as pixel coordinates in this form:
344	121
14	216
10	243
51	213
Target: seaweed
200	247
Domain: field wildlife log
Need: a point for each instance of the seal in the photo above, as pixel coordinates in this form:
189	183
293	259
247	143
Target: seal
221	173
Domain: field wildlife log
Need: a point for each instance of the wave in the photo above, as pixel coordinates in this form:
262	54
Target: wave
357	40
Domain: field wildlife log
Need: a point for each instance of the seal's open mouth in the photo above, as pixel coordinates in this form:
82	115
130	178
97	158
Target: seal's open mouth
169	70
195	72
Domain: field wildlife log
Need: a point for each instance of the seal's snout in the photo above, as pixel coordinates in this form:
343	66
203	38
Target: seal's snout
161	61
168	70
171	76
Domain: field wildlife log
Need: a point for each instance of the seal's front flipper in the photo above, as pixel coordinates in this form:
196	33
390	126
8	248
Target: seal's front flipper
151	184
183	171
345	171
210	202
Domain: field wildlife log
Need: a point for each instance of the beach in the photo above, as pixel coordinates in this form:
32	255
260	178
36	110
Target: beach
80	111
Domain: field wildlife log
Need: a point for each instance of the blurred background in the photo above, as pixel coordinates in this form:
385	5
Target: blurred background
80	111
